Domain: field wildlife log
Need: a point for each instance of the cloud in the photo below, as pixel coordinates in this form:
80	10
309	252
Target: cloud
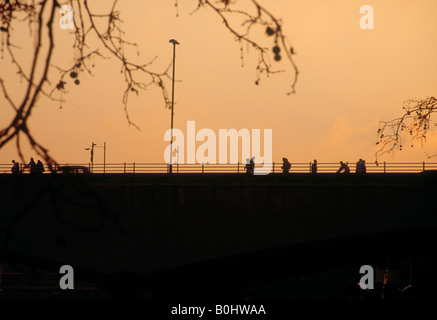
347	139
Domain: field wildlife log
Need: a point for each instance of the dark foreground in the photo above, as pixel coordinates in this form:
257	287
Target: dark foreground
218	236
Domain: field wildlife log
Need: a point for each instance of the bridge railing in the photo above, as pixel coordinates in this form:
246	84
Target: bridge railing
298	167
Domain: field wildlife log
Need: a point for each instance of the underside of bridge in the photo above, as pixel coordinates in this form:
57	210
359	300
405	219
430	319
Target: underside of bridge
295	236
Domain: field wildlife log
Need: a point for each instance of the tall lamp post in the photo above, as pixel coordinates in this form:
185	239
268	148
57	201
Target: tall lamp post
174	42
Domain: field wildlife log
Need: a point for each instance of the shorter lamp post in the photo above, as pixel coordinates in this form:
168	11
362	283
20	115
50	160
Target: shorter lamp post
92	154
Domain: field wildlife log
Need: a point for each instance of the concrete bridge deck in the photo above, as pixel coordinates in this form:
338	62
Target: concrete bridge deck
176	231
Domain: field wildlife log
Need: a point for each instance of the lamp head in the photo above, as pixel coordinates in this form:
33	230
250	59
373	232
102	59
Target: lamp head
174	41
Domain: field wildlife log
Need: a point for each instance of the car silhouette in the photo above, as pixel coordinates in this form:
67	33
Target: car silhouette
75	169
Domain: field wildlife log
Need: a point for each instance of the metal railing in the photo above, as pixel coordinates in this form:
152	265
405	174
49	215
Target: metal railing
298	167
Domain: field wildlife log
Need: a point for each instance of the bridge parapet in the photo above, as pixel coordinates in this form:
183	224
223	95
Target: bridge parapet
144	223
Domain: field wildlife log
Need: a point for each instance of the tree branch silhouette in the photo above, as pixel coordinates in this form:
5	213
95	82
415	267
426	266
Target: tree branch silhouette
412	126
35	81
262	18
100	35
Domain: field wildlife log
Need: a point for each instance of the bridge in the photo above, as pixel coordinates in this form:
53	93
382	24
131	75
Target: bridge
296	167
212	234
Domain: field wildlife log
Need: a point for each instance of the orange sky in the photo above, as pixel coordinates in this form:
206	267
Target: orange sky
349	80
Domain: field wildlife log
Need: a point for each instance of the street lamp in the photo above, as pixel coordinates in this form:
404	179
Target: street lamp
92	154
174	42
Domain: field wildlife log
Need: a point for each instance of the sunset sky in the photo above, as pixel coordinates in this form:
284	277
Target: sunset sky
349	80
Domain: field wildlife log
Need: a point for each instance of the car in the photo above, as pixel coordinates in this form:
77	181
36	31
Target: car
75	169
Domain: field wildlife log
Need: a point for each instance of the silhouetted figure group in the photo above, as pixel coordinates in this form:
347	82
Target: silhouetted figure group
361	166
39	167
34	167
344	168
250	165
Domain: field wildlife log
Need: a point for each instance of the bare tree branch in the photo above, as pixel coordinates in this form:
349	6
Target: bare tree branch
411	127
35	82
106	27
273	28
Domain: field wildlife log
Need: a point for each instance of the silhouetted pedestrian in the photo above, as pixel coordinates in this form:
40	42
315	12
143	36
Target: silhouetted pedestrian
252	164
363	166
32	165
39	167
286	165
248	166
15	168
343	166
314	166
358	166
